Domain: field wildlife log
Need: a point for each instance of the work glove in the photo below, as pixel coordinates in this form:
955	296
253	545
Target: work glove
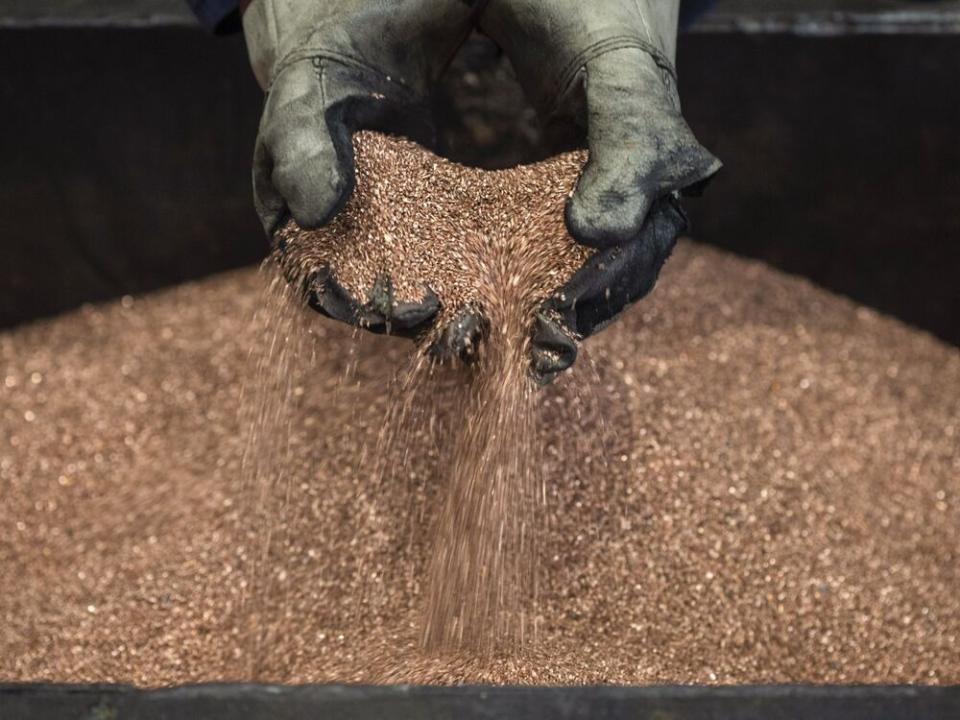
330	67
605	68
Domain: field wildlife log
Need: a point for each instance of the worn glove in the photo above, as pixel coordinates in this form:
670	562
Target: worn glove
331	67
606	68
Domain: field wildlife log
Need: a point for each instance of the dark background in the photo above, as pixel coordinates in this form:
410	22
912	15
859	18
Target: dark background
125	145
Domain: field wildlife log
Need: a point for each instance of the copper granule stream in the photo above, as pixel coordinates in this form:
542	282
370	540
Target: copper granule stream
747	479
482	572
494	242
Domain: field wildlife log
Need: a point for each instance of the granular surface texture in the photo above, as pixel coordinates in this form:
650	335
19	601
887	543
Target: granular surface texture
427	223
747	480
492	243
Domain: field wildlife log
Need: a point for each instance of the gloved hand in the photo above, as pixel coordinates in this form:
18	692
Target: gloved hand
606	67
330	67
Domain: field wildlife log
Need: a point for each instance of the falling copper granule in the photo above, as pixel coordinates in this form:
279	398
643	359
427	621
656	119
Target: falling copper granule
494	243
747	480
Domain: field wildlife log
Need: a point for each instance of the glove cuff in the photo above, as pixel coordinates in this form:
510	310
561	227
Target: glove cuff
317	53
571	73
404	41
261	40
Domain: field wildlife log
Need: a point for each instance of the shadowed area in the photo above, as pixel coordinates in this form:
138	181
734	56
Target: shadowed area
127	161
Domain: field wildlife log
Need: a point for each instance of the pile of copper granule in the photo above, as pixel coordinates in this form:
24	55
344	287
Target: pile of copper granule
754	481
425	223
746	479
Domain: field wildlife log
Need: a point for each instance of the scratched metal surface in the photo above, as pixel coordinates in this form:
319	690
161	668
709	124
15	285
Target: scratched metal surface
832	17
94	13
808	17
263	702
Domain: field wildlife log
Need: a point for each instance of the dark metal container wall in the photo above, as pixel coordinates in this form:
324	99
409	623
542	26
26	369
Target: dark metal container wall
127	136
252	702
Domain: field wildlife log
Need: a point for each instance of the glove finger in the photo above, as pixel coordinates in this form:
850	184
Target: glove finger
382	314
379	314
640	149
552	348
461	337
297	168
412	318
328	297
304	163
267	201
614	278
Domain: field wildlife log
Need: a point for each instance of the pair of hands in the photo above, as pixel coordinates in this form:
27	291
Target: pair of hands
331	67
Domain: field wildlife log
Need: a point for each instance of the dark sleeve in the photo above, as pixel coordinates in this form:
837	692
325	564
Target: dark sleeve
217	16
690	10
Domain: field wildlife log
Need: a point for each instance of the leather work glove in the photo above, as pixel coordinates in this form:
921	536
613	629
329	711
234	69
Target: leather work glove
606	68
330	67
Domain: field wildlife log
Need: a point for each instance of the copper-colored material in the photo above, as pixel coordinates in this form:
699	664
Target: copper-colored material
427	223
747	479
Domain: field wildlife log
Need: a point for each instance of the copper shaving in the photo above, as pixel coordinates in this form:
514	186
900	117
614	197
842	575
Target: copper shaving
752	481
